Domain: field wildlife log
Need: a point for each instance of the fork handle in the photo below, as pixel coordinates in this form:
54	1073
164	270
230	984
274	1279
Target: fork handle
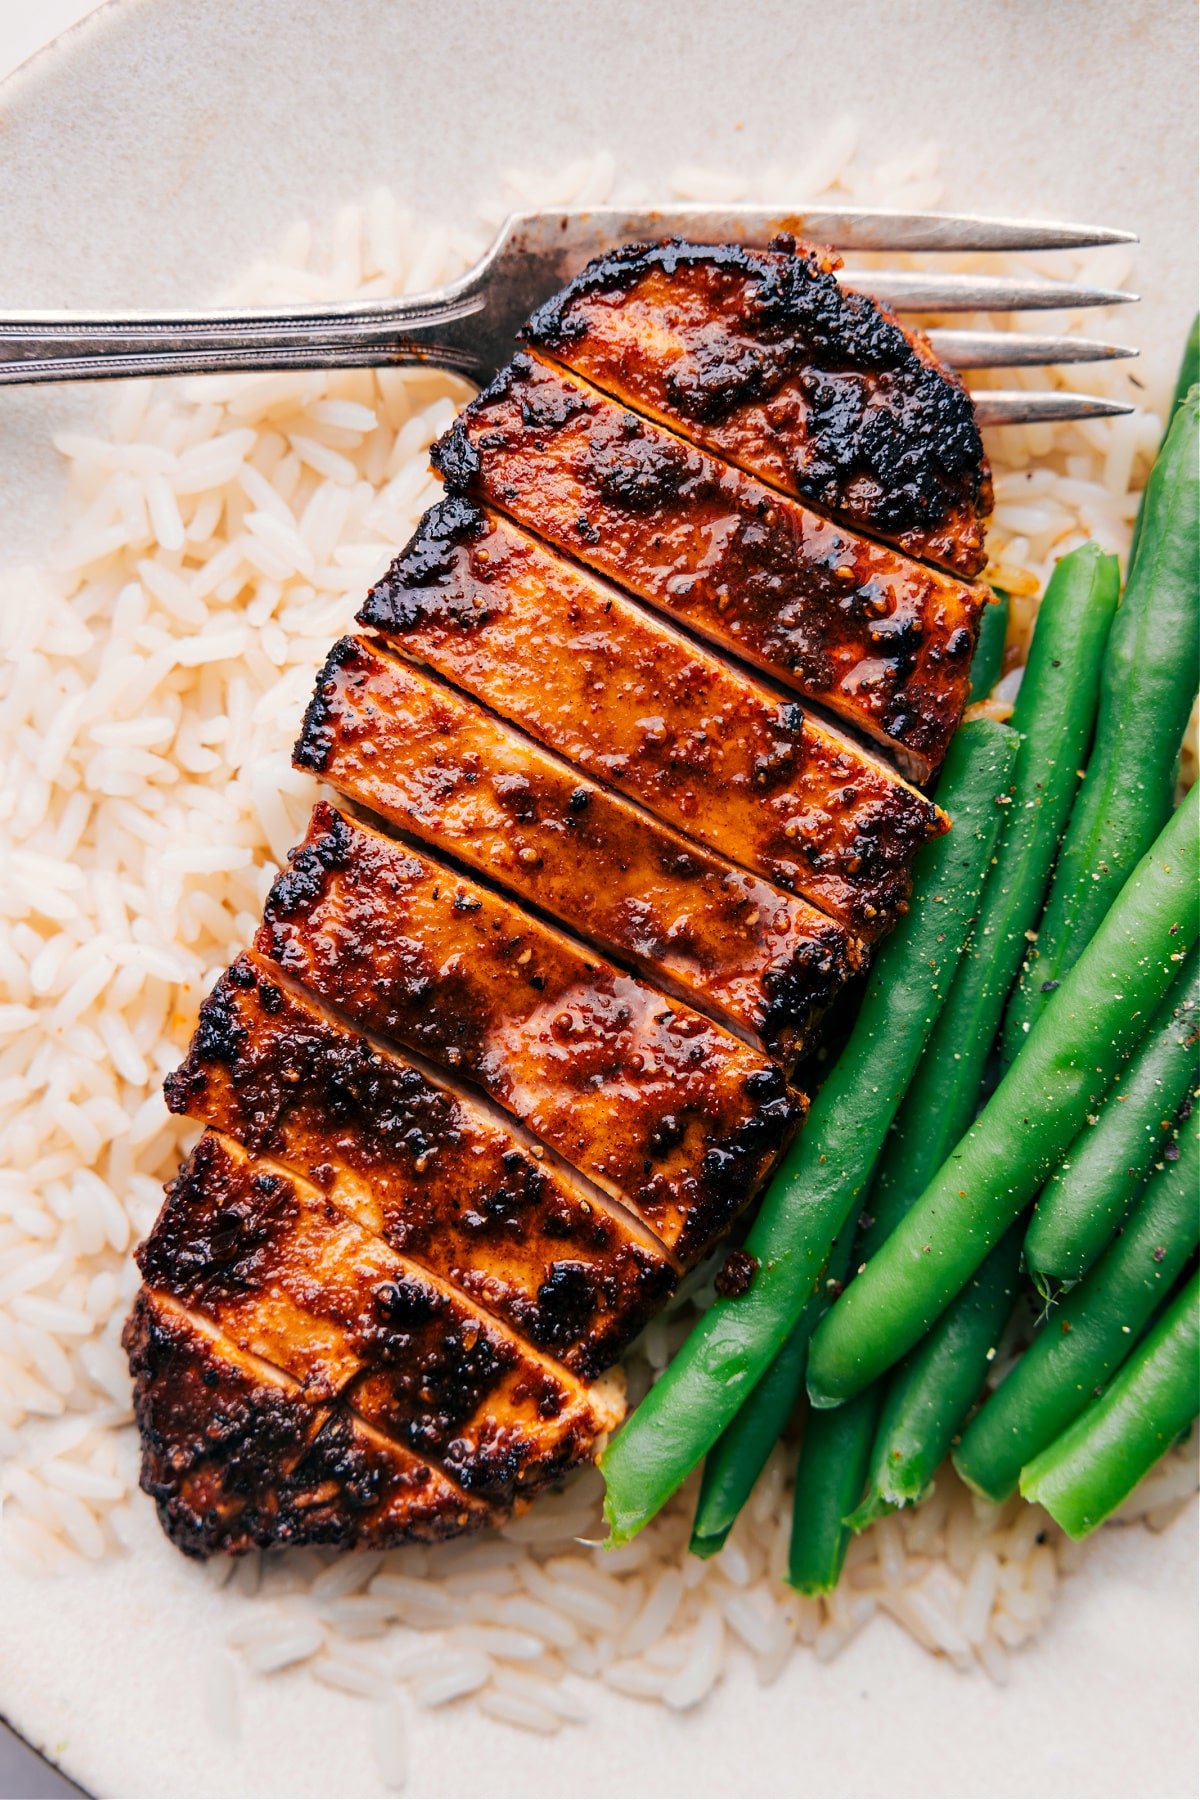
434	328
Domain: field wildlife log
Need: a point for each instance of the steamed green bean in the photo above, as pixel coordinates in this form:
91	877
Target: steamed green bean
1069	1061
1147	693
1099	1460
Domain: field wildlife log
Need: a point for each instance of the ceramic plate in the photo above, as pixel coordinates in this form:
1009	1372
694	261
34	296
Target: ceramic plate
146	157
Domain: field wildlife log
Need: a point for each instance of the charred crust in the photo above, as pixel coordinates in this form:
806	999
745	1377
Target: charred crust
765	1086
890	436
398	601
498	1465
454	456
730	1171
451	1191
840	619
736	1275
200	1414
220	1036
433	1367
801	988
546	407
318	733
218	1230
380	1496
552	325
233	1459
566	1303
384	942
361	1473
909	446
327	848
641	472
235	1462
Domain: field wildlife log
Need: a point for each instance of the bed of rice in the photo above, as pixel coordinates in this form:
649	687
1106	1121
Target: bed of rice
220	534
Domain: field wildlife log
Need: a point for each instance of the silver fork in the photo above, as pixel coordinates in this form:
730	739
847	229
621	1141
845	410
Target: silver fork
471	325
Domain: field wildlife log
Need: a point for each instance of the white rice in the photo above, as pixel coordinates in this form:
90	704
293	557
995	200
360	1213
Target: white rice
220	534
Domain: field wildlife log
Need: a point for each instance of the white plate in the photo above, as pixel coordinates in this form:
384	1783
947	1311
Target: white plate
146	158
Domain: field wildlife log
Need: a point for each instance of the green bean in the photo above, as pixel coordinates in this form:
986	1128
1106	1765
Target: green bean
1189	374
1099	1460
829	1483
1083	1202
738	1457
929	1395
1069	1060
831	1469
1053	717
1146	695
928	1398
988	663
1189	371
824	1174
1091	1333
837	1440
936	1385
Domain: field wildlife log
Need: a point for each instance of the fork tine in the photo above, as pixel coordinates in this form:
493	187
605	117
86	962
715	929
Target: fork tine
1000	406
843	228
857	229
918	292
1019	349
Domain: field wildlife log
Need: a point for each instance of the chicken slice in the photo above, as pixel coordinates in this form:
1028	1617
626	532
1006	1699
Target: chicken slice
762	356
703	745
662	1108
421	756
290	1278
881	640
438	1175
236	1459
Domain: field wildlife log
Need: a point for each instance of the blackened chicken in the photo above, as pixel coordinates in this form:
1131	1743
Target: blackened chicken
515	1042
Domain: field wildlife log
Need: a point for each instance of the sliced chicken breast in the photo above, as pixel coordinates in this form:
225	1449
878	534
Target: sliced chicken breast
632	701
421	756
881	640
503	1064
289	1278
444	1179
236	1459
764	357
662	1108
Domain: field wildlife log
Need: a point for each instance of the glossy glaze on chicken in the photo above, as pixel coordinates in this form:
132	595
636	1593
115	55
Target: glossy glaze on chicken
670	1114
706	746
764	357
884	642
429	761
413	1157
513	1046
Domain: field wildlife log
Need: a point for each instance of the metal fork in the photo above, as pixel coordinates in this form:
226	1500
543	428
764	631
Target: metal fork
471	326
